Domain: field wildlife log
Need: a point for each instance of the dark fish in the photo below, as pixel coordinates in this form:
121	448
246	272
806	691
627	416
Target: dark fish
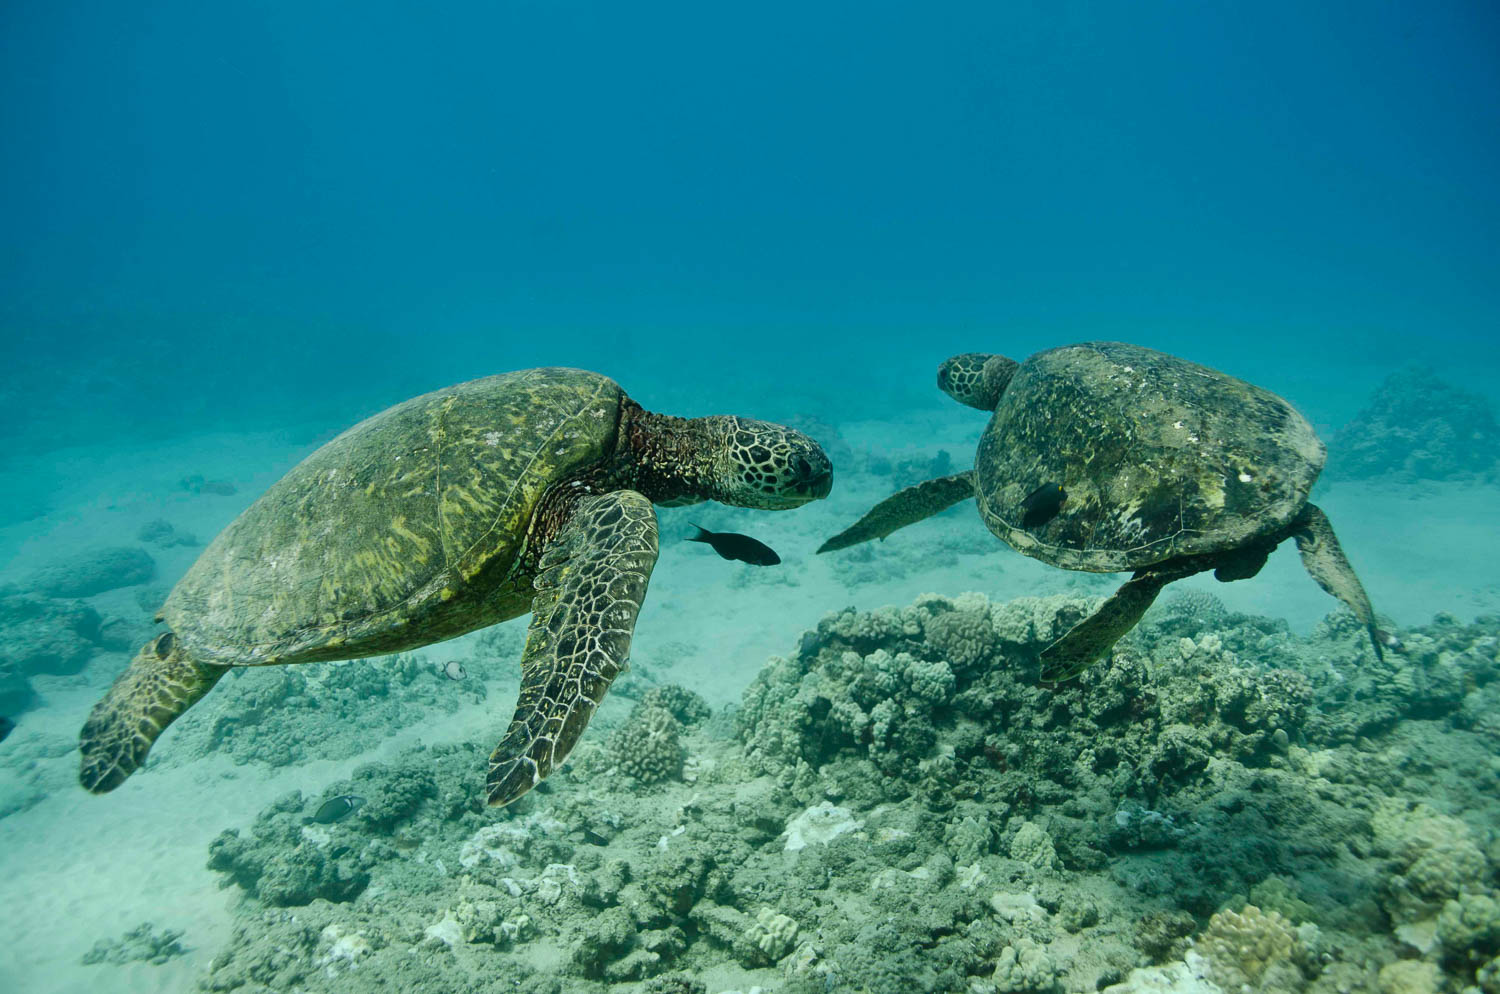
741	547
454	670
1042	505
6	727
338	808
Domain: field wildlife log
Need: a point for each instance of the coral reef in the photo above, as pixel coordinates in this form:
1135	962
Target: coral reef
649	747
1435	859
41	635
687	706
1222	806
44	635
141	944
1252	948
279	715
1418	427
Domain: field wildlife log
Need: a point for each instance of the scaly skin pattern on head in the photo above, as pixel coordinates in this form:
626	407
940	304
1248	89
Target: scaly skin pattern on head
976	379
160	683
738	461
669	460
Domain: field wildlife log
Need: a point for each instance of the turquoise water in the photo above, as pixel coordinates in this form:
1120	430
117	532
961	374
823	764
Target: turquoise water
230	233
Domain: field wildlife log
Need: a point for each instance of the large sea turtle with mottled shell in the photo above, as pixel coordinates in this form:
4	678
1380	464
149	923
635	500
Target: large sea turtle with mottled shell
529	491
1109	457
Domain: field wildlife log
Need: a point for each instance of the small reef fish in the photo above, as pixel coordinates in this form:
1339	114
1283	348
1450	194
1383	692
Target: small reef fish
742	547
6	727
1042	505
454	670
338	808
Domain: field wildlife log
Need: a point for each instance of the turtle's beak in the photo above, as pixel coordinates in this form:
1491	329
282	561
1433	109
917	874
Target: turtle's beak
814	476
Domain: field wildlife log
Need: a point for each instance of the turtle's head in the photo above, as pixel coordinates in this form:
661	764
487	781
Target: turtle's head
976	379
764	465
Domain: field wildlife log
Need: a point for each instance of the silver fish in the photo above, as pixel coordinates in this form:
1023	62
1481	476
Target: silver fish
454	670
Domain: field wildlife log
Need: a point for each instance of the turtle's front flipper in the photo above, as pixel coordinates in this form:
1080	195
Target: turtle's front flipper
1326	563
590	583
160	683
905	507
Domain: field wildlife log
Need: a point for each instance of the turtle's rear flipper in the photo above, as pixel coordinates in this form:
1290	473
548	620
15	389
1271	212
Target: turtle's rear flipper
1088	641
160	683
905	507
1325	562
589	587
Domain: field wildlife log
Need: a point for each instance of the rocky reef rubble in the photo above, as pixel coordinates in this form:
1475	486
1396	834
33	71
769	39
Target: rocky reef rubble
900	806
48	629
141	944
279	715
1418	426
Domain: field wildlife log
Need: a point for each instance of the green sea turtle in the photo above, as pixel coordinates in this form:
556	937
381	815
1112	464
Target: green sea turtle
529	491
1109	457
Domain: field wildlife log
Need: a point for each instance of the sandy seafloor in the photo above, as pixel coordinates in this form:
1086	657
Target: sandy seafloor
77	868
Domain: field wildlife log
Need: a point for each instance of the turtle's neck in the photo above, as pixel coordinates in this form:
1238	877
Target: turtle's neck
660	456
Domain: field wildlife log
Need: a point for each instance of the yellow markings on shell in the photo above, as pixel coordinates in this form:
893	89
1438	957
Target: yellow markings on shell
473	503
398	525
1212	490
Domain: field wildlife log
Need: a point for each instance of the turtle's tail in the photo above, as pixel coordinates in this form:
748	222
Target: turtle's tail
160	683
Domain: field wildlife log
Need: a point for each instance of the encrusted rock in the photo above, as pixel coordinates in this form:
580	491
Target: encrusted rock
819	825
142	943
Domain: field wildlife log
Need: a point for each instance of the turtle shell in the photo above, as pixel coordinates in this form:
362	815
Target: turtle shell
1159	457
406	529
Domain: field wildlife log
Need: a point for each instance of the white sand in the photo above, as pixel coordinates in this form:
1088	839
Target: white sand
79	868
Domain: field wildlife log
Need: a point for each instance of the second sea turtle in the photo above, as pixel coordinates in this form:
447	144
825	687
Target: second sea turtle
1110	457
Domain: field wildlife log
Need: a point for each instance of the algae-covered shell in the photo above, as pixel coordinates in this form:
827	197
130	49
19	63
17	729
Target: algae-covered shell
1158	457
401	531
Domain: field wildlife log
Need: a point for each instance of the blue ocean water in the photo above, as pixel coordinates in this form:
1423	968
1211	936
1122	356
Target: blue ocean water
230	231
